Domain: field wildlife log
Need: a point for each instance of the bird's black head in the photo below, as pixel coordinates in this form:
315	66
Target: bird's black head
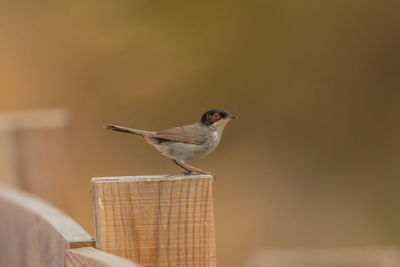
214	115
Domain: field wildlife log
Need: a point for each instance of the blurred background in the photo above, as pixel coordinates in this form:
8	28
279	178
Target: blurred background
312	160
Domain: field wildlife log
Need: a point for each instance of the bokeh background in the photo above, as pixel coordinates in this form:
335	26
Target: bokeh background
313	158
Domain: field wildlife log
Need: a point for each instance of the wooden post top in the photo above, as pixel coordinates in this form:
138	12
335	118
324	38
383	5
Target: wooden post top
151	178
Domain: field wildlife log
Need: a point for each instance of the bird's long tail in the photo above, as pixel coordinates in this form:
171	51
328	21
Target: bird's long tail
126	130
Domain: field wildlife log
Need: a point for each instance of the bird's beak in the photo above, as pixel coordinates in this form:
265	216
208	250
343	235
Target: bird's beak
231	116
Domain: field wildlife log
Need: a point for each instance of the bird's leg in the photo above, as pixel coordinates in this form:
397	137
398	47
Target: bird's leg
190	169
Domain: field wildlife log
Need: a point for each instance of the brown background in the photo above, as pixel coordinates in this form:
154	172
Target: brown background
312	161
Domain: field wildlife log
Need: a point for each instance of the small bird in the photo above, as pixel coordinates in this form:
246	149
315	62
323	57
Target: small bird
188	142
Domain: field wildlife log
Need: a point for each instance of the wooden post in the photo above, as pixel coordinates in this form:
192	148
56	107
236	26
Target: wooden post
159	220
34	153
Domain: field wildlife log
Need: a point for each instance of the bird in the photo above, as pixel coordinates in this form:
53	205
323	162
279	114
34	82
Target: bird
188	142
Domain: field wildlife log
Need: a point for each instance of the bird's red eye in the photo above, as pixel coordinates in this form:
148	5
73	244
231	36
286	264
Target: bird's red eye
216	116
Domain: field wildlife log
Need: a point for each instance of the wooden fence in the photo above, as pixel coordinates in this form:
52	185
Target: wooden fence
150	220
159	220
34	233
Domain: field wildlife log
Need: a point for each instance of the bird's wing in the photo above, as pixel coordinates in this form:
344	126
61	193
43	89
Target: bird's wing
190	134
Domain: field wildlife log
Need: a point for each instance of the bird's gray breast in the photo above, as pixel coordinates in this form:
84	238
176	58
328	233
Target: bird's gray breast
186	151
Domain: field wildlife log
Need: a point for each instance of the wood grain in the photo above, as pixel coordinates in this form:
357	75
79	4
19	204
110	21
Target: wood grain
156	220
34	154
354	257
34	233
91	257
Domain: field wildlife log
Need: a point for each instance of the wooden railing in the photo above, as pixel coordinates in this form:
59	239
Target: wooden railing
151	220
34	233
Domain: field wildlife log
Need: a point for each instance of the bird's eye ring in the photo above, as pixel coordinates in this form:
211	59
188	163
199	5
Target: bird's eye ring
216	116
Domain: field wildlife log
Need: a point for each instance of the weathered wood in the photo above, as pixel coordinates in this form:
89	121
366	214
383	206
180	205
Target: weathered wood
156	220
91	257
34	233
354	257
34	154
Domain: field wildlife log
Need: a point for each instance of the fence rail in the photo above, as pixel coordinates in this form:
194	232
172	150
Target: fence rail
34	233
